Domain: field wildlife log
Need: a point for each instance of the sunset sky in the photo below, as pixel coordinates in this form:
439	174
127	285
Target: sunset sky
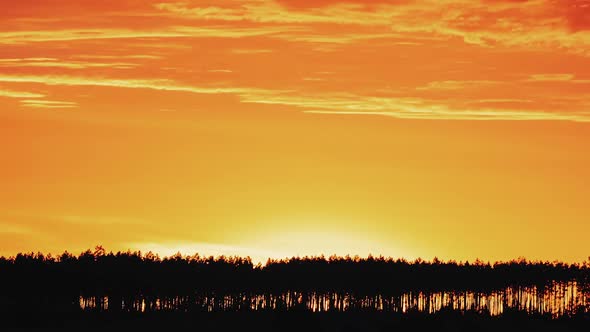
272	128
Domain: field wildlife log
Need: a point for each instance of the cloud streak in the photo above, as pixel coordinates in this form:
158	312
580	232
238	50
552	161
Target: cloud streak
559	78
37	103
325	103
406	108
57	63
530	24
456	85
19	94
37	36
151	84
384	57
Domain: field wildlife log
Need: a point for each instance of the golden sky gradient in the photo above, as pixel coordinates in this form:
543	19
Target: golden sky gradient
449	128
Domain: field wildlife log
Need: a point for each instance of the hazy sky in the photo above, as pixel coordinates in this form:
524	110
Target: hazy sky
455	128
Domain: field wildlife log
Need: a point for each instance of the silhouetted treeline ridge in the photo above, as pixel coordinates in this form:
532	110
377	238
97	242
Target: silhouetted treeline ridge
96	272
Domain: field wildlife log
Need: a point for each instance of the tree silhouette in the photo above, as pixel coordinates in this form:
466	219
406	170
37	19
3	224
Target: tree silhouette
130	281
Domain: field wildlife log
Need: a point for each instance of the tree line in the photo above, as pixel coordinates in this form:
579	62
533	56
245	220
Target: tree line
132	273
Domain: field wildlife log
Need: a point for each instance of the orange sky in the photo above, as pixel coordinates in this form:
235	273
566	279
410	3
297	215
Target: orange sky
449	128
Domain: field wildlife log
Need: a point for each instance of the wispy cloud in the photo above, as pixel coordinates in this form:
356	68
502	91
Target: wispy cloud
538	24
20	94
13	60
488	114
551	77
57	63
38	103
271	12
23	37
404	108
561	78
529	24
501	100
121	56
456	85
152	84
340	38
325	103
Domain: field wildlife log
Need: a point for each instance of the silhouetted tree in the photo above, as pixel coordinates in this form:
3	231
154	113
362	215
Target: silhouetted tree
132	281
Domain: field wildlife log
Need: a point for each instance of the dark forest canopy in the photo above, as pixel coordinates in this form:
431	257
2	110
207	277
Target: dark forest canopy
99	252
130	273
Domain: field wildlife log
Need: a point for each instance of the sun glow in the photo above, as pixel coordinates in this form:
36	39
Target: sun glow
291	240
280	245
206	250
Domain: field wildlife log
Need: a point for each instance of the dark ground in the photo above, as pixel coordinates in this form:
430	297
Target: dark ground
291	321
